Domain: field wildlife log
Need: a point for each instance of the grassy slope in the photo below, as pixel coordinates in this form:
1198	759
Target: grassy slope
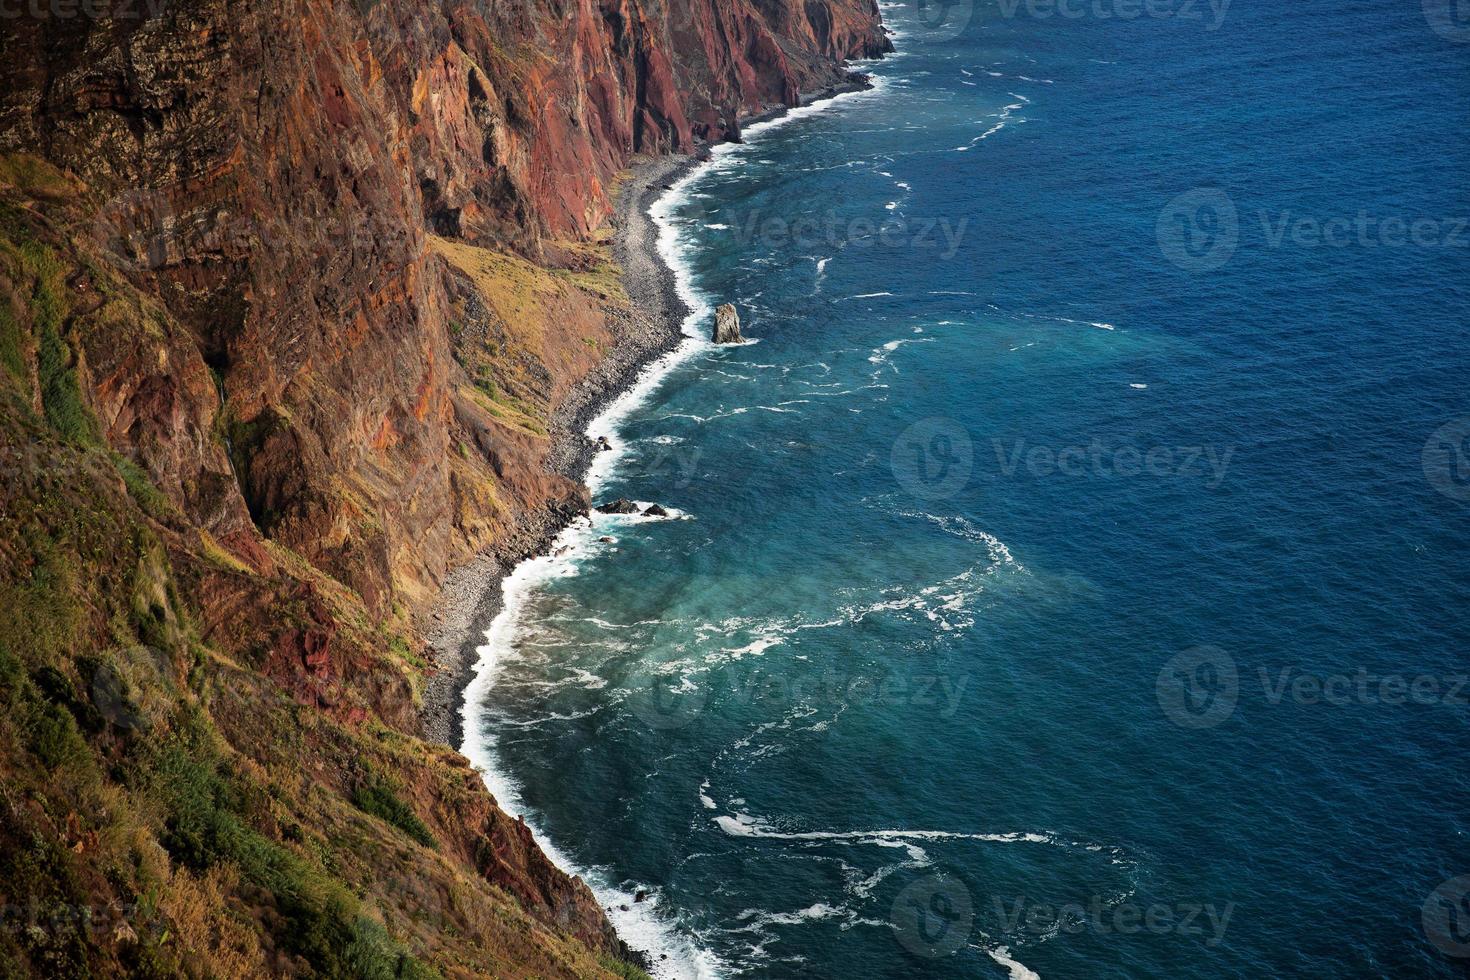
166	808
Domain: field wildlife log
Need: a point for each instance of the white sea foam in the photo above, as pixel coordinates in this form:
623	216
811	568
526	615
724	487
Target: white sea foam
756	647
1018	970
1099	324
1002	119
745	825
640	924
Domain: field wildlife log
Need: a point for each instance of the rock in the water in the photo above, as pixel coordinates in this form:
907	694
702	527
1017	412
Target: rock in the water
602	444
654	510
608	539
727	325
620	506
641	896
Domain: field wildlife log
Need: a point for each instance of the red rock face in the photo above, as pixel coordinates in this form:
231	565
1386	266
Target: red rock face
271	170
269	180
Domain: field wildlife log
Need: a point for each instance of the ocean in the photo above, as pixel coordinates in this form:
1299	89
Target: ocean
1068	578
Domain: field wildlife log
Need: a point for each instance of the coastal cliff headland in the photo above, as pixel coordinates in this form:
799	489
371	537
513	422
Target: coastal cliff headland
303	307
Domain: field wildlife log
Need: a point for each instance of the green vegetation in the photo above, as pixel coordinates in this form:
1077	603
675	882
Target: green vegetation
12	342
376	798
37	612
206	826
35	177
141	489
60	393
621	968
183	793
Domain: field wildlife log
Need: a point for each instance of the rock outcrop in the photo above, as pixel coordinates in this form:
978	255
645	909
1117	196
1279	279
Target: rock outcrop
727	325
288	293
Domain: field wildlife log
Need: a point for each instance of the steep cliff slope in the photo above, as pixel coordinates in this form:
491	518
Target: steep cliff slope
287	293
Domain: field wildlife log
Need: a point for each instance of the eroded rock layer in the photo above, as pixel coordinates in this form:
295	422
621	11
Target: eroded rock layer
288	293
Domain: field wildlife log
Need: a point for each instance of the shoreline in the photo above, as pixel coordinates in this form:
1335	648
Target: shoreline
472	594
472	597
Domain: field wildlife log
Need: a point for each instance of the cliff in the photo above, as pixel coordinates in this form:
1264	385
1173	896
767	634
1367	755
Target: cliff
288	292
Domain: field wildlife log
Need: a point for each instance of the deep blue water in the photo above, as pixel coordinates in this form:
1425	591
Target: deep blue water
1009	564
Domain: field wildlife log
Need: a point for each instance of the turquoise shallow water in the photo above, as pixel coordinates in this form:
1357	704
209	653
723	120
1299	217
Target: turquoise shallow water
1070	579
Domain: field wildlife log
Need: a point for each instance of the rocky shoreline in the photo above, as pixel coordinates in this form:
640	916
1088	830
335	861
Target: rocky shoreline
471	596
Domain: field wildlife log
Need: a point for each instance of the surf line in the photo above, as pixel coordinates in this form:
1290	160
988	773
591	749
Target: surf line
671	954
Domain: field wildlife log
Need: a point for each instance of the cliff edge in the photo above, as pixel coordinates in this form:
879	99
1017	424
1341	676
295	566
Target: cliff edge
289	292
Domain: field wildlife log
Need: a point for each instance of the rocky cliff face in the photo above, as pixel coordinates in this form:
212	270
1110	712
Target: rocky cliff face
287	293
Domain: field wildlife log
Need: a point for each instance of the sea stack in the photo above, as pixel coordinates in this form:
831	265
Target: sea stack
727	325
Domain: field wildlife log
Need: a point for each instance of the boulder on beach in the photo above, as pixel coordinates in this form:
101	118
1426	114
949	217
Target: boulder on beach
620	506
727	325
654	510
